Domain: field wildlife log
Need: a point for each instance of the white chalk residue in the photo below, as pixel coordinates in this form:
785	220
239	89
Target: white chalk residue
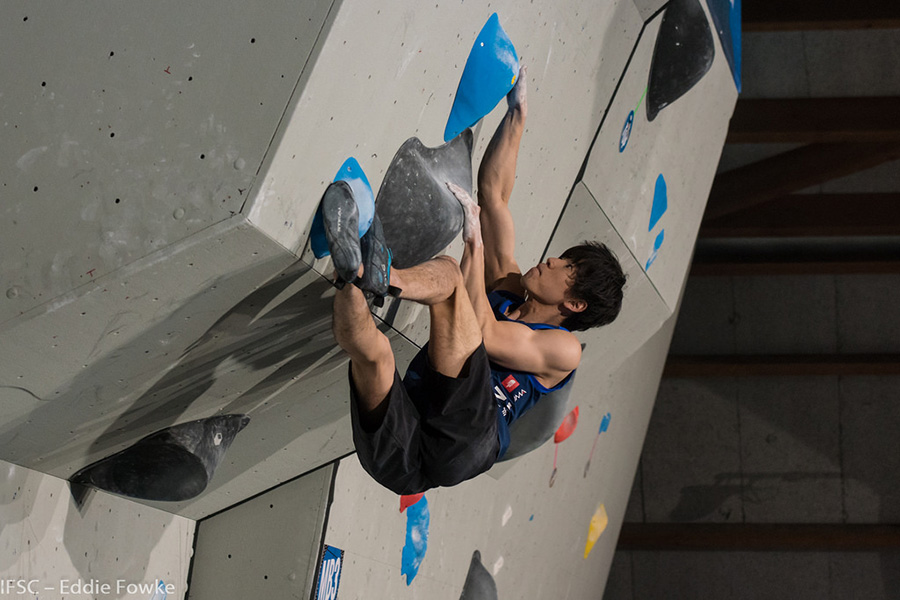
507	514
497	566
29	157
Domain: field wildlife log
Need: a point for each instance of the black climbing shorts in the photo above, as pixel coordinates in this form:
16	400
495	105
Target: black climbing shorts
437	430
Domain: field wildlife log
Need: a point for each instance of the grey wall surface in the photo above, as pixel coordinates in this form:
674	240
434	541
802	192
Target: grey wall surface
266	547
52	544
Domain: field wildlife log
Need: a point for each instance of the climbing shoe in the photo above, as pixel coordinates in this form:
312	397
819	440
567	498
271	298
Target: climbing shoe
376	259
340	218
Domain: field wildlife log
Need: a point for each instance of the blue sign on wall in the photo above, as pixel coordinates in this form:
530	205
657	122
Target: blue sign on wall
329	573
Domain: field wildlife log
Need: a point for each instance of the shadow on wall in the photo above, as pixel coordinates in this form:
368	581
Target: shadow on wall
282	329
256	349
16	506
96	544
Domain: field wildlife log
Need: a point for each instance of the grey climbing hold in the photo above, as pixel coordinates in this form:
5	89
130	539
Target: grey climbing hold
173	464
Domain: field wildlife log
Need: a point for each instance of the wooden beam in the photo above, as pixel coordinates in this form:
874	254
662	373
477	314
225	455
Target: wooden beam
792	171
815	120
766	537
737	268
812	215
778	365
803	15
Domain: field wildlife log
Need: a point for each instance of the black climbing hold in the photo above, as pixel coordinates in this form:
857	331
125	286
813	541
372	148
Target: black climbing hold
173	464
479	585
683	54
420	216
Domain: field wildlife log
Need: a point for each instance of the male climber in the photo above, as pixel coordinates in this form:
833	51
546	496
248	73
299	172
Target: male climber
489	357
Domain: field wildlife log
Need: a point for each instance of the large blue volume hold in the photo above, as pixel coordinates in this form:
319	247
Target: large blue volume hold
489	74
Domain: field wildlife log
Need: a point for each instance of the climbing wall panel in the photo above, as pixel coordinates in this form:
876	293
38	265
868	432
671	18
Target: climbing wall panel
54	548
265	547
386	73
680	146
132	126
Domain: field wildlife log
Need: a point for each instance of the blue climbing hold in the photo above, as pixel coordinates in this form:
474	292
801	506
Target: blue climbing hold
726	17
626	131
660	202
356	178
657	244
604	424
417	521
489	74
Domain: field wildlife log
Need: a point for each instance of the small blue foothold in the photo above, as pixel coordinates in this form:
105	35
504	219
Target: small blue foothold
604	424
489	74
660	202
657	244
626	132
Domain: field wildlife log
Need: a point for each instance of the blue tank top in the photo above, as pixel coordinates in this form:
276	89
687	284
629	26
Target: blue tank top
514	391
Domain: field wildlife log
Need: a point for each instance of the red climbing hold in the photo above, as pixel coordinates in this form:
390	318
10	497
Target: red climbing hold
407	501
567	427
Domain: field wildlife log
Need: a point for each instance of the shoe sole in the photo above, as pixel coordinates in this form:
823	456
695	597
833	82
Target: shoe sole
340	217
376	276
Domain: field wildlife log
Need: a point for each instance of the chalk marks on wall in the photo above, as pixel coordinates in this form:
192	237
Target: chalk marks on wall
417	521
507	515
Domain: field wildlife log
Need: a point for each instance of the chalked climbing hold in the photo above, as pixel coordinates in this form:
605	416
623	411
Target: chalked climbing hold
419	214
489	74
683	54
417	521
171	465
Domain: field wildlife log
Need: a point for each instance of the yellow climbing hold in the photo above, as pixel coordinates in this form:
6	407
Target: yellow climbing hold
598	525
